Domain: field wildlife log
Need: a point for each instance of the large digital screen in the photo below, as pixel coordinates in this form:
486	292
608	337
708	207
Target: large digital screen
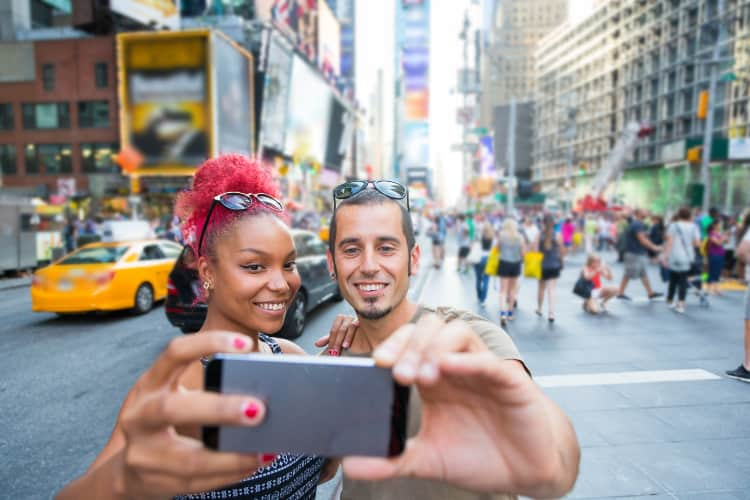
308	113
156	13
232	77
339	134
329	41
275	93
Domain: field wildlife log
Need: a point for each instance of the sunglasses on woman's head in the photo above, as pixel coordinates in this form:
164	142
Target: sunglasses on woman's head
237	202
391	189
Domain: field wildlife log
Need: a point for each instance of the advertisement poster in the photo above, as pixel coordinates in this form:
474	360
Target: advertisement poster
297	18
414	21
487	156
166	99
329	42
339	135
307	114
234	125
416	144
275	94
155	13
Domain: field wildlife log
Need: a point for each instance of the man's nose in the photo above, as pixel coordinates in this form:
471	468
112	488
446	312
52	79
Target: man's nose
369	262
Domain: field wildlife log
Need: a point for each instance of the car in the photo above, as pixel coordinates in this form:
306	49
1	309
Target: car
105	276
187	311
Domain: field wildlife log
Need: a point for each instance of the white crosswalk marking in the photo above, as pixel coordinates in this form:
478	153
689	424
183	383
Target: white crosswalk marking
617	378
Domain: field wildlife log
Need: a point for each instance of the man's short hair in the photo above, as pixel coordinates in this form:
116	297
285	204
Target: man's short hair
372	197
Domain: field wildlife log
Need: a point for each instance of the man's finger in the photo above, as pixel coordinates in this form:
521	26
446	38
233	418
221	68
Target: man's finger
350	333
390	350
195	408
413	361
322	341
182	351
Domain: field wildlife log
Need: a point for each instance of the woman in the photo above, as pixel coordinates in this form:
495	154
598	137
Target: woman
511	247
568	230
715	252
485	244
656	234
594	270
552	250
246	263
683	237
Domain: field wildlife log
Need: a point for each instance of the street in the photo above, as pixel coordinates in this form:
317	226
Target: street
654	414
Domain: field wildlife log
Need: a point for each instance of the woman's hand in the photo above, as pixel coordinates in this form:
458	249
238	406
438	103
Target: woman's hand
156	461
342	334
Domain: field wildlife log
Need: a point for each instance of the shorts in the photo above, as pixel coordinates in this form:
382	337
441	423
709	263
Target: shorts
596	293
463	252
507	269
437	242
747	304
635	265
550	273
567	244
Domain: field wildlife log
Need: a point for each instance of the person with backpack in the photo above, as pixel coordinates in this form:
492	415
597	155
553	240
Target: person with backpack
636	249
552	249
682	239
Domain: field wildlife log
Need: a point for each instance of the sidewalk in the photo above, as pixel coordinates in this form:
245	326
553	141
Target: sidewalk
644	386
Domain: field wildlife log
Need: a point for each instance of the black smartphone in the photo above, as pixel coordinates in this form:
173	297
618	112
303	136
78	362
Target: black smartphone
333	407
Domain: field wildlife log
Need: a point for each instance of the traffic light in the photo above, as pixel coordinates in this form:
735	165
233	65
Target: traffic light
694	154
702	105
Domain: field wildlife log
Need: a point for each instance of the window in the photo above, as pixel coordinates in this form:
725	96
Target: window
170	250
93	114
6	117
47	115
7	159
152	252
55	158
97	158
48	76
101	75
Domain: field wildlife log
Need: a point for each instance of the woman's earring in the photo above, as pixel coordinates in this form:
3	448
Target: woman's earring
207	285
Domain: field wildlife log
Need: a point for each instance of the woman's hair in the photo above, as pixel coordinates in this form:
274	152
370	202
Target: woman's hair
591	258
684	214
548	232
487	231
215	176
715	224
509	230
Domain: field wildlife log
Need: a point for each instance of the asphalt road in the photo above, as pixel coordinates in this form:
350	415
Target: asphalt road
62	380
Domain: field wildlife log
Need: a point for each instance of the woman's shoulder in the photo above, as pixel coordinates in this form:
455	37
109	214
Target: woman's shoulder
289	347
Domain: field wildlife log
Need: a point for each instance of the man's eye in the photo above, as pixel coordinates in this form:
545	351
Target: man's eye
351	251
387	248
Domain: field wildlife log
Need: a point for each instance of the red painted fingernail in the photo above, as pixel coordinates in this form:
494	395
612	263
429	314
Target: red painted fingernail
251	410
239	343
268	457
333	352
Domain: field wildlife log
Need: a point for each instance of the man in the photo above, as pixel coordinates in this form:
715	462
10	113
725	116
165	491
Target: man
476	431
637	245
742	252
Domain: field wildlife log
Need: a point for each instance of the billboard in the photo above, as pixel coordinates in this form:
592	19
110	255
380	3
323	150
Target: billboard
164	96
329	41
297	18
307	113
153	13
339	134
275	93
232	74
416	151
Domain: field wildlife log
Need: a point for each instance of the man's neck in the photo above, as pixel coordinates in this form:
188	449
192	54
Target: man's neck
372	332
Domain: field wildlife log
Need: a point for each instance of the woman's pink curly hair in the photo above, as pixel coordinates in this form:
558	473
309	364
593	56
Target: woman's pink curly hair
231	172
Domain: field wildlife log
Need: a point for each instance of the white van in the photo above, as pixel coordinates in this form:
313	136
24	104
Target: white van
126	230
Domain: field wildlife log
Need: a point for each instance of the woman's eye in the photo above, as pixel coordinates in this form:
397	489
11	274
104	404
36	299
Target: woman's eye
252	267
291	265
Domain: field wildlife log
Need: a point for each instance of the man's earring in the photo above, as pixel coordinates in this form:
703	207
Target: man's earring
333	276
207	285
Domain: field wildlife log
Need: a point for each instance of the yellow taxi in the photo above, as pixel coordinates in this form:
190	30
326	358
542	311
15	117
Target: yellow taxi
105	277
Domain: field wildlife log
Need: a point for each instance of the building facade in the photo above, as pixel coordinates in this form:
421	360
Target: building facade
58	114
642	61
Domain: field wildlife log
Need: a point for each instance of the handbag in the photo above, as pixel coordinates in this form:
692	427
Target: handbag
583	287
493	261
532	265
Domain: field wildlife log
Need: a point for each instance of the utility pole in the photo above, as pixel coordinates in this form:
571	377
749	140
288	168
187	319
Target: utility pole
572	112
465	92
709	124
511	156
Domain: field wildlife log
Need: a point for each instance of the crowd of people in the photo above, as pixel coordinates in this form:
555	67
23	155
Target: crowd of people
692	250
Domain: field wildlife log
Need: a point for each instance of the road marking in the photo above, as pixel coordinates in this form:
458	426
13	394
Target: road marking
618	378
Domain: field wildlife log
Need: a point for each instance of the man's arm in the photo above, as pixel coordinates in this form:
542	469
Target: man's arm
643	239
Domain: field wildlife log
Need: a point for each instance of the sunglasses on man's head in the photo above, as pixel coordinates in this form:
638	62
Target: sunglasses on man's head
391	189
237	202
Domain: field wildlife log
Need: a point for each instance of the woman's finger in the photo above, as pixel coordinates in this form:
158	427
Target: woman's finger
184	350
194	408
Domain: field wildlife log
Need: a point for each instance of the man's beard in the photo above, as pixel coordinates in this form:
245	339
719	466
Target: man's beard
374	313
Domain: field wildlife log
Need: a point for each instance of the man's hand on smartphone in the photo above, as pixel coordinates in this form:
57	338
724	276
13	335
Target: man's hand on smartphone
340	337
156	461
485	425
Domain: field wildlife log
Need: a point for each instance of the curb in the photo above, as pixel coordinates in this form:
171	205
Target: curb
23	284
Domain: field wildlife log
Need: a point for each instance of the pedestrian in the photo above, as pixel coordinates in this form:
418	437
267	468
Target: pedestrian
636	258
464	243
680	250
715	240
553	251
437	235
70	235
511	247
589	233
621	229
246	262
656	235
458	437
486	237
594	270
567	230
742	252
730	244
530	232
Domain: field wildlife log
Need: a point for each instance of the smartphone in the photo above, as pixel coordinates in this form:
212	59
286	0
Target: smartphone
332	407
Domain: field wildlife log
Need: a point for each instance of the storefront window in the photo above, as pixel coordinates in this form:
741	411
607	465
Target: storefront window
97	158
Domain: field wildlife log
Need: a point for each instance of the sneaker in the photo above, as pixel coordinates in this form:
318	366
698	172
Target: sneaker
671	305
679	308
623	297
741	373
655	295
